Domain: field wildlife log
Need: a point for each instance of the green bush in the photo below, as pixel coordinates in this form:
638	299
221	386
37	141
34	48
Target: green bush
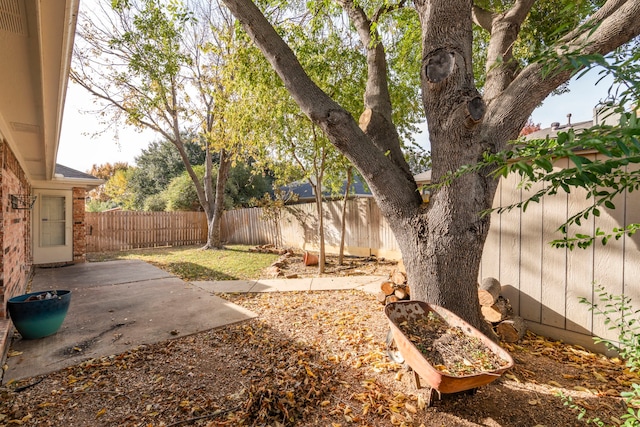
618	313
155	203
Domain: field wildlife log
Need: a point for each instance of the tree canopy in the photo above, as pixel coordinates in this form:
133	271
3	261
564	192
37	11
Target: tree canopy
157	165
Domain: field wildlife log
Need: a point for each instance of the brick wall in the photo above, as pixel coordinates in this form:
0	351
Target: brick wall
79	227
15	236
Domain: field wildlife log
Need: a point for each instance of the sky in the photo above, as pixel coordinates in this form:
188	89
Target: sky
80	148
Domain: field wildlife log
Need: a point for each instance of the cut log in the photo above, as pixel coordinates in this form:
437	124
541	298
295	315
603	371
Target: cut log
401	293
387	287
489	291
398	277
512	330
382	297
391	298
499	311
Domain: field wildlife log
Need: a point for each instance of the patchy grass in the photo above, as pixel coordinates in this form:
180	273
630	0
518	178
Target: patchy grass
235	262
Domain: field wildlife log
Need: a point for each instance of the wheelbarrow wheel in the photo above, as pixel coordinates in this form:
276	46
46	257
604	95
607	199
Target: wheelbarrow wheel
392	349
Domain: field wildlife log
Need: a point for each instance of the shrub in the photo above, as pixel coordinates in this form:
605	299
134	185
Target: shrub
619	314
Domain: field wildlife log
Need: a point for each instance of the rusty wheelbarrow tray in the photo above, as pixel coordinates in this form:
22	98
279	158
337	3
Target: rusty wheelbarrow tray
411	311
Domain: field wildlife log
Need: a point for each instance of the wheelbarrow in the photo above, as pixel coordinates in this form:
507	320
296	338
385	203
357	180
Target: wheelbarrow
405	315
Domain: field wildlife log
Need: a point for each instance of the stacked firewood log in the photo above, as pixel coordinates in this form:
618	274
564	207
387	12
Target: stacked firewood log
497	311
394	289
495	307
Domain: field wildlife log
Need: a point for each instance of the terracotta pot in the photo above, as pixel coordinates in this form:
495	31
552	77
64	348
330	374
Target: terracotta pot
310	259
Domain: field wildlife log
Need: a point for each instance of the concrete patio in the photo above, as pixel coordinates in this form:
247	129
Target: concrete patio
116	306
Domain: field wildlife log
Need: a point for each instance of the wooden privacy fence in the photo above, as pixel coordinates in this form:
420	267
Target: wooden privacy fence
544	284
295	226
122	230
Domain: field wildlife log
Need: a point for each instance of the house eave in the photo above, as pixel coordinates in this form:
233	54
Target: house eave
66	183
36	39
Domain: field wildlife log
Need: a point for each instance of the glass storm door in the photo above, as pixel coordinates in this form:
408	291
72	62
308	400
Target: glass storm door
53	226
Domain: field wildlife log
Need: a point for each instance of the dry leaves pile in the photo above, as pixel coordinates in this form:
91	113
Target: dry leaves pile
311	358
449	349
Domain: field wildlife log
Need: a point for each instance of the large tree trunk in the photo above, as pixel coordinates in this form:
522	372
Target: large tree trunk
442	241
441	246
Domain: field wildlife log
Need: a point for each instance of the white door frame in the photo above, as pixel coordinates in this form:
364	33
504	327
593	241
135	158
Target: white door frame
46	254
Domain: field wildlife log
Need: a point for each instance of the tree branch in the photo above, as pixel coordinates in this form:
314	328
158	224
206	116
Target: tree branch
151	125
619	25
376	121
387	9
377	91
601	14
501	67
343	132
483	18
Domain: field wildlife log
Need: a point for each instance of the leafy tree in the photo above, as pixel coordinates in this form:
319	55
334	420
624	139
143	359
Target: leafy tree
163	66
155	203
246	184
118	190
180	194
301	151
104	171
418	158
242	187
158	164
95	205
442	241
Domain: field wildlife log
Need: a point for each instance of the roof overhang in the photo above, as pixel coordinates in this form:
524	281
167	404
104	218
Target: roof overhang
36	43
66	183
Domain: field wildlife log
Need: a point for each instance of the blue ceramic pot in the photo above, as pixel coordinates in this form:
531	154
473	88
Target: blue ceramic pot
37	318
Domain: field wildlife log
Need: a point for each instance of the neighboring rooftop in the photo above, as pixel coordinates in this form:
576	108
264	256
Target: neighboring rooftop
304	191
67	172
603	114
424	177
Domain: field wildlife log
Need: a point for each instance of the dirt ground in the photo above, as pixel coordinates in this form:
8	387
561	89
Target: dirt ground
310	358
291	265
